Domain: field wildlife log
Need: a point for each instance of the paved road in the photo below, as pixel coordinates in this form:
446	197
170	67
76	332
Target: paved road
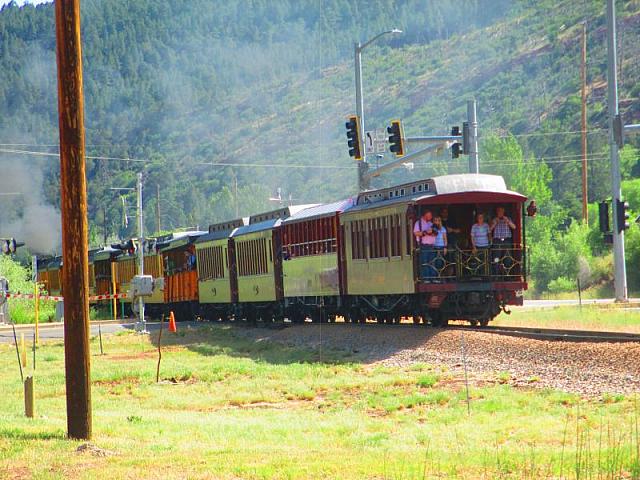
57	332
560	303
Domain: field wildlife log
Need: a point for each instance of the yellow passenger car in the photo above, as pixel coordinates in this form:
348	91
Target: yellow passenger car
217	289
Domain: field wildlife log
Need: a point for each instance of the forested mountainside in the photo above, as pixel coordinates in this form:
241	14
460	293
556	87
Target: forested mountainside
202	96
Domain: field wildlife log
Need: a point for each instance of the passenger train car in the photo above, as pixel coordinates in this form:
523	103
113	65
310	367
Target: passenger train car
356	259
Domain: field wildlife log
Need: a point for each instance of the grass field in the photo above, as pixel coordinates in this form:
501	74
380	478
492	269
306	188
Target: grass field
604	318
229	407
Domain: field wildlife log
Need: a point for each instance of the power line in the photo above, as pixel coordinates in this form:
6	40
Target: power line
547	160
276	165
544	134
57	155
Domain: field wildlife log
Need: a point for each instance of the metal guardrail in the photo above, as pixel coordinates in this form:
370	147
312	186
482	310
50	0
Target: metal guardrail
495	263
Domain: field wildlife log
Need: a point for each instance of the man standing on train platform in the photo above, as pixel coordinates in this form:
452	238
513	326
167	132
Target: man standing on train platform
426	239
502	234
452	229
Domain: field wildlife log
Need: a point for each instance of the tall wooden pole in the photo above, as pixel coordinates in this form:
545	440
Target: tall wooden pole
73	193
583	75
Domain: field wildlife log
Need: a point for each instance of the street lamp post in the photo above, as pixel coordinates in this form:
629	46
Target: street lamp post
363	182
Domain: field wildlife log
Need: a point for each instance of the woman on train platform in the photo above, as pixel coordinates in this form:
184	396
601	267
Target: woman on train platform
425	237
440	247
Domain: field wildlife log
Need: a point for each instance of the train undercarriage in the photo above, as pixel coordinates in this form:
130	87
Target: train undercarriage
477	308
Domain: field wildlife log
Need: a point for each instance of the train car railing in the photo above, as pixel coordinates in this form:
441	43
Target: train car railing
504	263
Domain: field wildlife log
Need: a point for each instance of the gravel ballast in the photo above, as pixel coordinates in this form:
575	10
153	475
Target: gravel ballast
583	367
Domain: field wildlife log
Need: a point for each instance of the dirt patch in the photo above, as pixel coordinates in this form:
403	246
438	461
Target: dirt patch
88	448
132	356
15	473
113	383
184	380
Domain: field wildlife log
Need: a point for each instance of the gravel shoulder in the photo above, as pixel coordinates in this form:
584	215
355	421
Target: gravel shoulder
586	368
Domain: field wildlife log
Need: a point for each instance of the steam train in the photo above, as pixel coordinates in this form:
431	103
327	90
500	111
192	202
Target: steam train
356	259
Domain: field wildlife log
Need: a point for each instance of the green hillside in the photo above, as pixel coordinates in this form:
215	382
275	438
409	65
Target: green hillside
203	95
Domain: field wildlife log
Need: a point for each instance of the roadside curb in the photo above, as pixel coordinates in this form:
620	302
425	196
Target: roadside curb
47	325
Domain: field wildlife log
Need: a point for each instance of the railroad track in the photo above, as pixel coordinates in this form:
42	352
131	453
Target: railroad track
556	334
527	332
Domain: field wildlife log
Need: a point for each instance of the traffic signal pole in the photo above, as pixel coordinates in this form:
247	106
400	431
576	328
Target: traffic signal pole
73	206
141	326
363	183
474	163
620	273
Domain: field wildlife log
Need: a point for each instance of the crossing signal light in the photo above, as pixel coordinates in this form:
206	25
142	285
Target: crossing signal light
396	140
456	147
622	215
465	138
603	216
354	137
9	246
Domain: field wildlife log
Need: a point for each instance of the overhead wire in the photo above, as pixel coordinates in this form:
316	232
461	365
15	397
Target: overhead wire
557	159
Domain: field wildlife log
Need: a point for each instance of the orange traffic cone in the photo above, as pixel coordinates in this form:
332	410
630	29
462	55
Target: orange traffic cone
172	323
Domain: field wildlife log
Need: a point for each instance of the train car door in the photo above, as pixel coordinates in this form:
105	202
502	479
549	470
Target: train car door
233	270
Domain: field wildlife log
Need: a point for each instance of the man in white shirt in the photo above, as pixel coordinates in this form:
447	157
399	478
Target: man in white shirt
426	239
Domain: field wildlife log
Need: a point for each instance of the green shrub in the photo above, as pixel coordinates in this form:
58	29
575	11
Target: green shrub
562	285
19	277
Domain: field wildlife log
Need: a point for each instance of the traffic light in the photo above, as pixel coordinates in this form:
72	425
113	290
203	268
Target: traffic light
603	216
354	137
622	215
456	147
9	246
396	140
465	138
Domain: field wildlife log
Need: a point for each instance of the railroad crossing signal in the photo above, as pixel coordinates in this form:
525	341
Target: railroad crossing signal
466	144
622	215
603	216
9	245
354	137
456	147
396	138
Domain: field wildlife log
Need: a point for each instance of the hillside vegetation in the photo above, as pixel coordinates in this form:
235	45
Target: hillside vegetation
202	96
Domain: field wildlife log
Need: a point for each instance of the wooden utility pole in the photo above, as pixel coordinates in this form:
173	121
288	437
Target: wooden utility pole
73	194
583	75
159	228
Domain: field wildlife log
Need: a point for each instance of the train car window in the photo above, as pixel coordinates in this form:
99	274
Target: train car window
364	235
409	237
372	238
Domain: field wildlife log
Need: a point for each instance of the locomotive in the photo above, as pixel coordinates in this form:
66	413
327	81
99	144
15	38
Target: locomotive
356	259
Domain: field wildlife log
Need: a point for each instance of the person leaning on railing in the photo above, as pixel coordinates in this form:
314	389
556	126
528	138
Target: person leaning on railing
479	234
426	238
440	246
502	229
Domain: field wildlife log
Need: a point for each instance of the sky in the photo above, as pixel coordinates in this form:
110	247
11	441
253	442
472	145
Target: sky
22	2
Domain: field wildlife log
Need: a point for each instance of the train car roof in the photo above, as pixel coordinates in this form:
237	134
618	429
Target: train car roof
49	262
177	239
104	253
319	211
471	188
222	230
460	188
269	220
280	213
257	227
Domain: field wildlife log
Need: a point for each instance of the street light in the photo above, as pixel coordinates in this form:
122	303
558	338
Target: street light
358	47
